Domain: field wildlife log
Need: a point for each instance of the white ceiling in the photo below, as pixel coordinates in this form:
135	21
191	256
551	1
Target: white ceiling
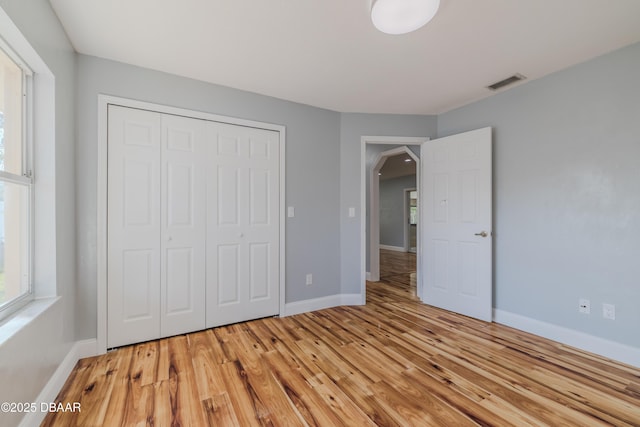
326	53
396	166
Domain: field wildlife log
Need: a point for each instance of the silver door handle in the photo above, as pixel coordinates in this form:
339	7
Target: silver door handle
482	234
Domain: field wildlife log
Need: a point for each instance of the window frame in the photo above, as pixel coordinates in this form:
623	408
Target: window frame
24	178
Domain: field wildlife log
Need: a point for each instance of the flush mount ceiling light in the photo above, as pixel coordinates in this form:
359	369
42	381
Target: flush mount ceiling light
402	16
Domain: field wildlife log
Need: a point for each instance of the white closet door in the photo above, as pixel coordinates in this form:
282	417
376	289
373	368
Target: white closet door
183	225
134	226
193	224
242	224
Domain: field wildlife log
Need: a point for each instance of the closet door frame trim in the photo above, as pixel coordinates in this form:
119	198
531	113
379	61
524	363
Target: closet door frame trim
103	103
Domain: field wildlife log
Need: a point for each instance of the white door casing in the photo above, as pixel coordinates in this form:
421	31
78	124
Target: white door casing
457	223
242	224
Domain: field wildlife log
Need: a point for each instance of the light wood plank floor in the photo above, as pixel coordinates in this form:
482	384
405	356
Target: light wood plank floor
393	362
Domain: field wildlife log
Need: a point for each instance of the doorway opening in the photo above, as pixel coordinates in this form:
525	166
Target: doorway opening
375	152
455	240
387	169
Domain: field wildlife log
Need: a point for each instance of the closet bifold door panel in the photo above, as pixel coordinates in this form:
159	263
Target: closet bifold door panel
243	205
156	225
193	224
182	296
134	217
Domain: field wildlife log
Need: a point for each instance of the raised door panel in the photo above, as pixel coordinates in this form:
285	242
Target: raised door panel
180	283
133	246
259	271
137	285
228	272
260	186
227	196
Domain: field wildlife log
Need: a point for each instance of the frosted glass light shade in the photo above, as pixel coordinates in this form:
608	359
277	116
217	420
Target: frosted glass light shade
402	16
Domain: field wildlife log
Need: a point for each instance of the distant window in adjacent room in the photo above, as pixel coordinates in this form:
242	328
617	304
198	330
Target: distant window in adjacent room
15	183
413	207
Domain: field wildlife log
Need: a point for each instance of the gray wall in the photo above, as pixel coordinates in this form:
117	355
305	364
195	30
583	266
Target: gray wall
566	198
392	209
312	168
353	126
30	357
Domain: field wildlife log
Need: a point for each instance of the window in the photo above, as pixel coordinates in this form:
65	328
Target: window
15	184
413	207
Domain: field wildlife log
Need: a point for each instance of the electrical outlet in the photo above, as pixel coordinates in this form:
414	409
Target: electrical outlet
609	311
309	279
584	306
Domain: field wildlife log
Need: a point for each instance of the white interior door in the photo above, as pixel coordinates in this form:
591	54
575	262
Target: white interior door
182	298
133	268
457	223
242	224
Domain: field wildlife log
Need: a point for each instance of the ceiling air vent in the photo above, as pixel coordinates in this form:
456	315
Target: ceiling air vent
506	82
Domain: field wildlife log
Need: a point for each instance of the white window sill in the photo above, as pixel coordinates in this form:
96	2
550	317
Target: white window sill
21	318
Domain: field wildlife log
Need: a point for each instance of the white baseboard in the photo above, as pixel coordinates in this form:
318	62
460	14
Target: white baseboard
321	303
79	350
600	346
393	248
86	348
352	299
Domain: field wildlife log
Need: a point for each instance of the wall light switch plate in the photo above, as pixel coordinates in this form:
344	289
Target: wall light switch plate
352	212
291	212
